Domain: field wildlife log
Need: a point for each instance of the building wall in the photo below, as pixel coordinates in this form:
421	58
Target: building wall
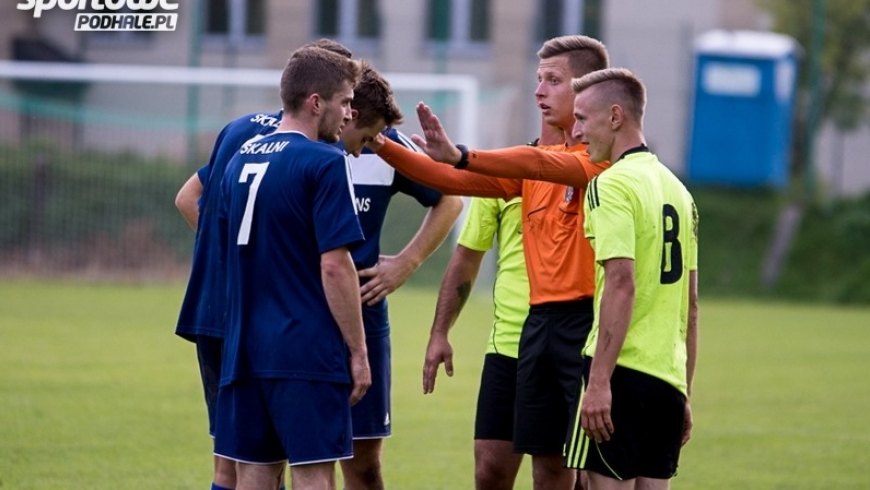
657	46
288	26
654	38
841	161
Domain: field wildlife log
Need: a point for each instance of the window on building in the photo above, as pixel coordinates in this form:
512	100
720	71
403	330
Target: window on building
350	22
459	23
566	17
235	21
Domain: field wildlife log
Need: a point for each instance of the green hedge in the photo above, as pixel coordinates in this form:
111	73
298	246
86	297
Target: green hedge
85	204
830	258
118	209
735	229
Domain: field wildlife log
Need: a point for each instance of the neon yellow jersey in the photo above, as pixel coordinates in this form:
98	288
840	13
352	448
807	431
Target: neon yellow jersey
491	219
639	210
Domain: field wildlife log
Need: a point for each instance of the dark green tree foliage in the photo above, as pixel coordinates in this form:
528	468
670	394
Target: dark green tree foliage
844	62
845	57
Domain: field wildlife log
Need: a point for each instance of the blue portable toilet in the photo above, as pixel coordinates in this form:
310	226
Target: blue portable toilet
744	97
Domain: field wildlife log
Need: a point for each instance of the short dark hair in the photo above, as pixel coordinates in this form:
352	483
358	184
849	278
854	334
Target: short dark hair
373	99
620	85
585	54
330	45
313	70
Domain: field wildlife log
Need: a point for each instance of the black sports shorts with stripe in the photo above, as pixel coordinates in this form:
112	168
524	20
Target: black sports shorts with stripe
647	415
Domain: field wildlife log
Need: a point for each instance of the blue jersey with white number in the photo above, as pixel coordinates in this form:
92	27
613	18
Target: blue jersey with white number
285	201
202	311
374	184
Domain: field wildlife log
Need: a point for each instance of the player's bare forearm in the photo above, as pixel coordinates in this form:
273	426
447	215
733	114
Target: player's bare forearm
691	354
433	230
617	304
341	286
456	287
692	331
390	273
454	292
187	200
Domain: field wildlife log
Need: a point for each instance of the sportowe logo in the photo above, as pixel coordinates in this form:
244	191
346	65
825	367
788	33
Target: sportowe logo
97	19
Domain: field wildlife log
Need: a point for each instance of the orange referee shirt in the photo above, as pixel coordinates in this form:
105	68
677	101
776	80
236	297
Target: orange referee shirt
559	259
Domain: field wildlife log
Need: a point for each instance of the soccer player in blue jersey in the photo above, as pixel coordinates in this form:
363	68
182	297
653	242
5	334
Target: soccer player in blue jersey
373	109
201	319
374	184
294	356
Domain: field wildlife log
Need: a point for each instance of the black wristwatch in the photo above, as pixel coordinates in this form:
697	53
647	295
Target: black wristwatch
463	157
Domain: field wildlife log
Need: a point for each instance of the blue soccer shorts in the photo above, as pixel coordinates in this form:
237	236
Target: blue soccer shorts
208	353
268	421
371	415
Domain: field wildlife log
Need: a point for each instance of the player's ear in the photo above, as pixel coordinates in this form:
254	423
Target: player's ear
354	114
617	116
314	102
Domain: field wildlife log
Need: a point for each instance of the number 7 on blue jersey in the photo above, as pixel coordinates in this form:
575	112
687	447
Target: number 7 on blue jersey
258	170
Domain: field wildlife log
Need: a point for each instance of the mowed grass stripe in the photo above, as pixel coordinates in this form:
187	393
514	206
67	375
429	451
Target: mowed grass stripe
97	392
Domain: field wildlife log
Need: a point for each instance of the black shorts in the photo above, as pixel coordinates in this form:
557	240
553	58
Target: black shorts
496	399
549	368
208	352
647	415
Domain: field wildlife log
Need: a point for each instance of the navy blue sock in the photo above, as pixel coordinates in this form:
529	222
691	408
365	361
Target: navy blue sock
215	486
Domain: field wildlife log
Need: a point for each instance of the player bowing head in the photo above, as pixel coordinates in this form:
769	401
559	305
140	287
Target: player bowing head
373	109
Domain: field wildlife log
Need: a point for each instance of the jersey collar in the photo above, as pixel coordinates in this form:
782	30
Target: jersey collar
637	149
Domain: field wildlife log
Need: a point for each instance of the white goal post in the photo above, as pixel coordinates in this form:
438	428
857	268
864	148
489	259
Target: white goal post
466	86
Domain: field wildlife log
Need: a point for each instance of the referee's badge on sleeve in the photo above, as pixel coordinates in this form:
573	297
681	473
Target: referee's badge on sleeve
569	194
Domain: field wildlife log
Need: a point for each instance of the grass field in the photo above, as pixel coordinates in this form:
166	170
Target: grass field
96	392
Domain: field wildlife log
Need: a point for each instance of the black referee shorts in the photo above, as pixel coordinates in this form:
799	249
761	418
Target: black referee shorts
496	399
549	368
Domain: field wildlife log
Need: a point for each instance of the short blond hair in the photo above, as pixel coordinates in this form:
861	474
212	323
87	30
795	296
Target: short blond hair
620	85
585	54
